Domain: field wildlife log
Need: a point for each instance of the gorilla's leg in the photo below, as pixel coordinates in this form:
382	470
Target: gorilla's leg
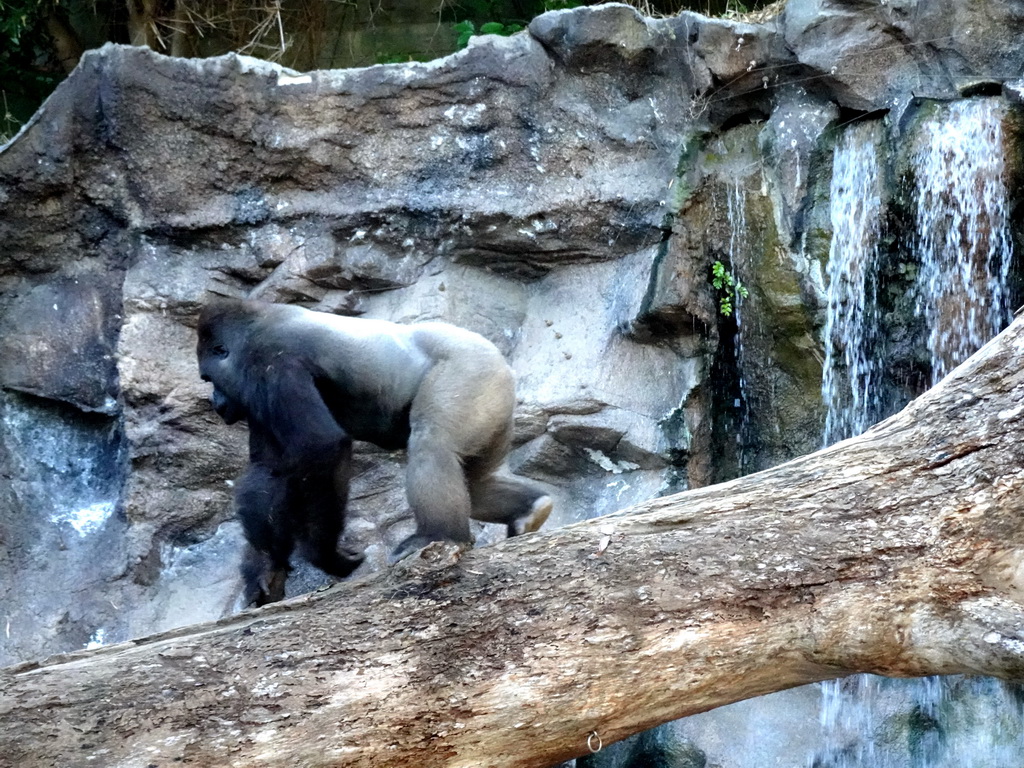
436	490
323	497
461	422
520	505
449	418
261	500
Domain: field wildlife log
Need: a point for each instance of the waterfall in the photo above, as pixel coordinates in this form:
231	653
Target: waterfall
963	243
932	723
962	229
737	218
848	387
867	721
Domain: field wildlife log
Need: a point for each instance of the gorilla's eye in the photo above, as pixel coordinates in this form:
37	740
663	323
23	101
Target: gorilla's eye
220	350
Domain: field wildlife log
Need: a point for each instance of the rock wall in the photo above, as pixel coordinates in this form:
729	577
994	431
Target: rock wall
564	192
506	188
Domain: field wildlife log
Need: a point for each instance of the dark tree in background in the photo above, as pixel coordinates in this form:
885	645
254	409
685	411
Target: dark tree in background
42	40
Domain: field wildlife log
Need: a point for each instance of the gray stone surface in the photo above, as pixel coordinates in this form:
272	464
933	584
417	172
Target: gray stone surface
519	188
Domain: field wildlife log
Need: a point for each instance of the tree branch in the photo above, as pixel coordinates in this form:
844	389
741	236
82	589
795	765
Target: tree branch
66	45
899	552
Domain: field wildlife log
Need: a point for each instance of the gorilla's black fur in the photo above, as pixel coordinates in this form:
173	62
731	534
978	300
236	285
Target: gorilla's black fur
308	383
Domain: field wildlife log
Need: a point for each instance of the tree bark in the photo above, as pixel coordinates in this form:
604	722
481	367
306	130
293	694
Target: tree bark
142	29
900	552
66	45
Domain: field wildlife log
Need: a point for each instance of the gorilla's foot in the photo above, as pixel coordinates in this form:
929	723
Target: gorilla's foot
411	544
415	543
274	589
534	519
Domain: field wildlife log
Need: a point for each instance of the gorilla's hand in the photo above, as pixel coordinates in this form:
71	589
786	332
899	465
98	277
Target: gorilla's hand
339	563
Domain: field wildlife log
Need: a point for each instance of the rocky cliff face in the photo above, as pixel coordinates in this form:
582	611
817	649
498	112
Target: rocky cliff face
564	192
516	189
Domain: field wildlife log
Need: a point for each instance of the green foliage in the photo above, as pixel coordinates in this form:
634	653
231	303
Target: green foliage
497	28
561	5
728	286
493	17
466	29
15	19
23	85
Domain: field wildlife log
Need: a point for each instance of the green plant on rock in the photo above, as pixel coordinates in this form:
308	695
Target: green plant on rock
735	8
730	289
466	29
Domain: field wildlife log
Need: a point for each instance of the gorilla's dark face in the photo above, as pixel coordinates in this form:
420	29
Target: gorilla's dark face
226	408
218	349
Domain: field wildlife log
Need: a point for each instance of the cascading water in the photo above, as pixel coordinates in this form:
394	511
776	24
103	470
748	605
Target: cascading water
963	239
865	721
855	208
848	387
963	229
947	722
737	217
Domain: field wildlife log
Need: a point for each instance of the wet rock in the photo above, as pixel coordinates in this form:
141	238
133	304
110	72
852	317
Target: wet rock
57	341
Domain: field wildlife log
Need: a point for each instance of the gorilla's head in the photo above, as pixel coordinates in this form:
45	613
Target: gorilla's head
223	327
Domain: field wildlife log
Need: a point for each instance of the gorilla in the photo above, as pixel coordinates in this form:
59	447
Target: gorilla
309	383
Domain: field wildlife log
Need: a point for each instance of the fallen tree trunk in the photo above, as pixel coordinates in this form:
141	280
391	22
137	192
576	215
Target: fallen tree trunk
900	552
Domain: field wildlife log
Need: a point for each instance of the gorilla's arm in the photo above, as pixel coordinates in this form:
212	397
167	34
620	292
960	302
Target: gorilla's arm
286	407
296	487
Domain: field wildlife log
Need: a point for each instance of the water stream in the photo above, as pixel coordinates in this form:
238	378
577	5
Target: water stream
962	230
737	218
963	243
848	386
